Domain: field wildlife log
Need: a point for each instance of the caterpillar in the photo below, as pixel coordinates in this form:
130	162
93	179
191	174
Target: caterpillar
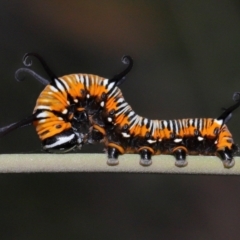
83	108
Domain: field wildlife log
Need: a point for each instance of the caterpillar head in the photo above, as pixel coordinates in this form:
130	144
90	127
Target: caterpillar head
63	142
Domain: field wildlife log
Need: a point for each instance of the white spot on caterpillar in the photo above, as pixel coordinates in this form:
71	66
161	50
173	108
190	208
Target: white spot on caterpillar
81	78
59	85
44	107
177	140
124	109
87	81
110	86
105	82
64	83
176	126
151	141
160	125
114	93
131	114
219	122
125	135
64	111
42	115
134	121
124	104
200	138
120	100
77	77
42	121
53	89
195	123
60	141
200	124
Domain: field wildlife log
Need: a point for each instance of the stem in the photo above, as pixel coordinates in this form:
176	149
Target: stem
77	162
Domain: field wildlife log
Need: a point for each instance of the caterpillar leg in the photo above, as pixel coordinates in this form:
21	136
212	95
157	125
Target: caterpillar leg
113	154
145	157
180	156
227	157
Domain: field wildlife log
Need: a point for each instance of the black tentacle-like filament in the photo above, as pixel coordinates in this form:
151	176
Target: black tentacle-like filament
119	78
226	115
28	63
236	96
22	123
19	72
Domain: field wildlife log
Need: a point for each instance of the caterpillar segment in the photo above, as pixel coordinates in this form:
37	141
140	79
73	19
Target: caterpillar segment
64	108
127	132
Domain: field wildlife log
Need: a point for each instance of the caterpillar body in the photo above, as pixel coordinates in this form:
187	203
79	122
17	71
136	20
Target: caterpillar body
83	108
127	132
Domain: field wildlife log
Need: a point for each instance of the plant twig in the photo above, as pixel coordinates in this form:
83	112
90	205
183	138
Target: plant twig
73	162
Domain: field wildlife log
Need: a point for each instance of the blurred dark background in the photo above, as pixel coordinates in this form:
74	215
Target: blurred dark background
187	64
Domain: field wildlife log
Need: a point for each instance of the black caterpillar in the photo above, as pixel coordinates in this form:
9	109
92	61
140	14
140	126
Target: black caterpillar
77	109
